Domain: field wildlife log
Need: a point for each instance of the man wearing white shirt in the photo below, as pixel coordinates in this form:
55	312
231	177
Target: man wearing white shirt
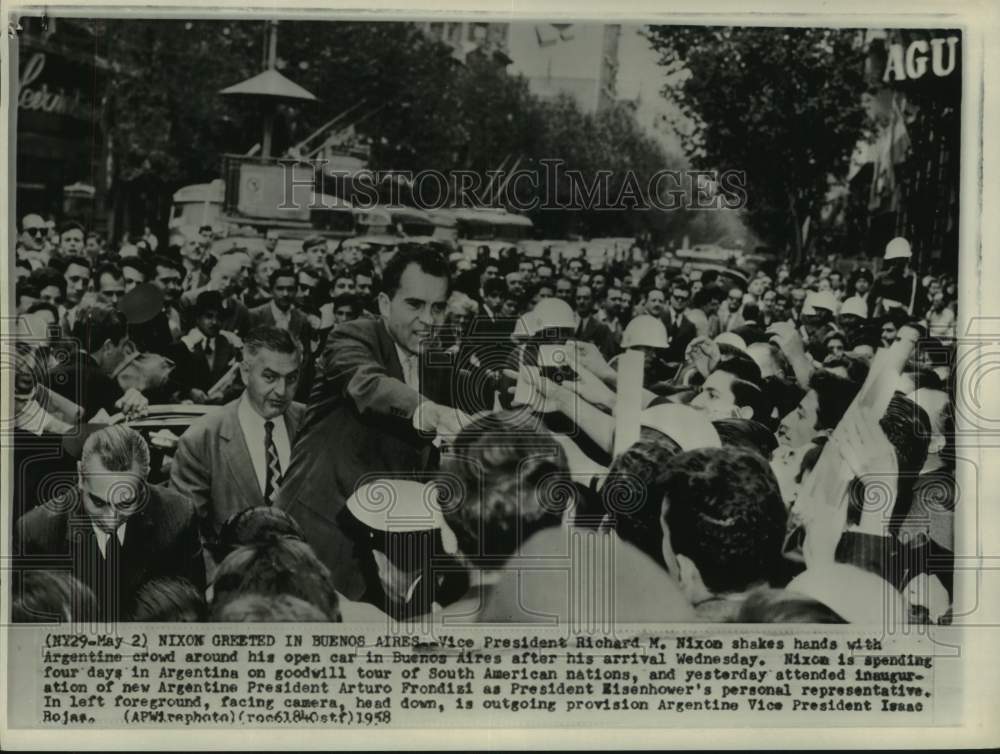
235	458
280	311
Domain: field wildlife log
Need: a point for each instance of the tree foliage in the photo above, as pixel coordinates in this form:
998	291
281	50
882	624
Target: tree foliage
414	103
781	104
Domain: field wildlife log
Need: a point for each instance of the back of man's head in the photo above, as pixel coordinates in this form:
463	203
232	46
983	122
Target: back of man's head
633	494
834	395
908	428
98	323
747	434
273	608
51	596
511	480
274	567
722	509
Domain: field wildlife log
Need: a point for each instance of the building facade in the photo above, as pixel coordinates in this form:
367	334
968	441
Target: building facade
61	146
580	60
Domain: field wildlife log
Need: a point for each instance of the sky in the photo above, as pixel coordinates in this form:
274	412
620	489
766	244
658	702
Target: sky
578	55
640	75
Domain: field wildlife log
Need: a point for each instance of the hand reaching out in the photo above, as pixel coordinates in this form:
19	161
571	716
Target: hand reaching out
133	404
590	357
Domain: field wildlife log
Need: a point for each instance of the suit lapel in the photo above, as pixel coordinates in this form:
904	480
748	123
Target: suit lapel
223	353
295	322
136	551
236	454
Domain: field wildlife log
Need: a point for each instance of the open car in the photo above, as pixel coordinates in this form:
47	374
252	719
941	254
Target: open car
162	427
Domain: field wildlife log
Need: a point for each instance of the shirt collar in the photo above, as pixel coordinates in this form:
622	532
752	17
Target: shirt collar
103	536
193	338
403	354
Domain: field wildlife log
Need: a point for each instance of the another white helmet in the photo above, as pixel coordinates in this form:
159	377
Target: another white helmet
898	248
548	313
645	330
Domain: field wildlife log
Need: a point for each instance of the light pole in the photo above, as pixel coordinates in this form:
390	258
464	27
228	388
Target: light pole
270	88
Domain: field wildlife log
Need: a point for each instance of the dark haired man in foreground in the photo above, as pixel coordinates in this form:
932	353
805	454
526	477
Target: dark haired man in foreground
377	402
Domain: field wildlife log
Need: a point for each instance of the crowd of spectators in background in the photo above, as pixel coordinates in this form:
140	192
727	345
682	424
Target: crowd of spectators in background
776	404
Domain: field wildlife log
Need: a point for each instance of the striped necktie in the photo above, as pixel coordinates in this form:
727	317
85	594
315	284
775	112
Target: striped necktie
272	477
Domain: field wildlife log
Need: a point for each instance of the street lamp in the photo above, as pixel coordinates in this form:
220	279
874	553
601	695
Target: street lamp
270	88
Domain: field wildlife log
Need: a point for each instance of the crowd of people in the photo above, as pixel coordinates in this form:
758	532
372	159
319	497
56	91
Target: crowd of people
406	431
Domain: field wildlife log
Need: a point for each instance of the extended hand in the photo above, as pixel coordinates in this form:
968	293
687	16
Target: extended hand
590	357
133	404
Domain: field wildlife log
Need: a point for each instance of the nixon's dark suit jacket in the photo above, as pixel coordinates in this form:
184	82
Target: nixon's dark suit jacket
358	427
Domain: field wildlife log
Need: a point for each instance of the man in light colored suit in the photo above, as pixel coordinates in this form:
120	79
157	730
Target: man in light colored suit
235	458
280	311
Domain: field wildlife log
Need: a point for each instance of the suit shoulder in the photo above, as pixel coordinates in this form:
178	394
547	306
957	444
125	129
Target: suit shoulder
46	523
358	329
260	309
172	510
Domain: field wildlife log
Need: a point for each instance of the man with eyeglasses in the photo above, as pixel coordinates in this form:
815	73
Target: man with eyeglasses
680	329
116	531
33	238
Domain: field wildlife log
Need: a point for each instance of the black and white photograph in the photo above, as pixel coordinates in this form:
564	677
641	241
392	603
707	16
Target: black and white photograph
332	339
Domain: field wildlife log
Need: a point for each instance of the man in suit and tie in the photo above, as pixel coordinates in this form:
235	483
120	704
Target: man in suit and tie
590	328
280	311
115	530
168	274
680	329
204	355
377	402
493	293
235	458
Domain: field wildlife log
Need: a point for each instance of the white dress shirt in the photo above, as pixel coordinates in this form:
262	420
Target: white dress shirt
252	425
103	537
411	367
